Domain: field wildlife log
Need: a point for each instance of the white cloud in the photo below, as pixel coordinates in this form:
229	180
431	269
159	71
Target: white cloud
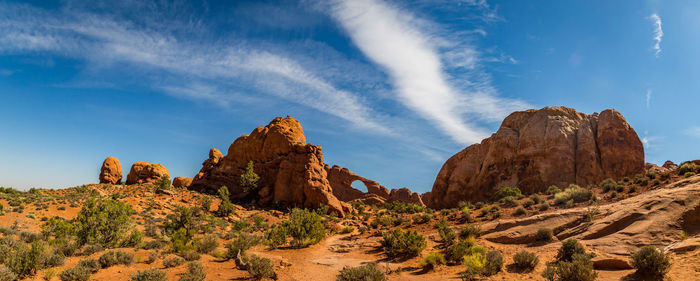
397	41
658	33
648	98
693	131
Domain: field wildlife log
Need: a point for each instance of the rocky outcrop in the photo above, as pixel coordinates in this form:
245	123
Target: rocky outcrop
144	172
341	180
182	182
536	148
111	171
291	171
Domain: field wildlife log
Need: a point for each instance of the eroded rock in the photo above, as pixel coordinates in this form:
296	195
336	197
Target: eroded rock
144	172
111	171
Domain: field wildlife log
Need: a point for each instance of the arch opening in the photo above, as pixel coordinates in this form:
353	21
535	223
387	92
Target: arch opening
359	185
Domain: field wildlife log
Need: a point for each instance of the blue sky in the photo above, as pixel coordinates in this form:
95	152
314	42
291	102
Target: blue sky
390	90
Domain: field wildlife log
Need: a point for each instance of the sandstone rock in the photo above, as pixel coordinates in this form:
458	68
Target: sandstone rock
405	195
144	172
536	148
371	199
611	263
291	171
182	182
111	171
341	180
669	165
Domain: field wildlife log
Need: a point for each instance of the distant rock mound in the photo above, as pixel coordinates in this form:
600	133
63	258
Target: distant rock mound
341	180
182	182
536	148
144	172
111	171
291	171
668	166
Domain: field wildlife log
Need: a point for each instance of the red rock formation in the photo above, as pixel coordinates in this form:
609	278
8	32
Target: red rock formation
182	182
341	180
111	171
536	148
144	172
291	171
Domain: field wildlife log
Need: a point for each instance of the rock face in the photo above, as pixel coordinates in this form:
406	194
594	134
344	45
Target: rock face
111	171
144	172
536	148
341	180
291	171
182	182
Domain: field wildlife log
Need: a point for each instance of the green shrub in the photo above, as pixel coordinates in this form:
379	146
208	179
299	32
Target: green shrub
446	233
92	264
134	239
580	268
475	264
173	262
65	246
53	260
544	234
544	206
575	193
398	243
116	257
456	252
519	211
403	208
529	203
260	268
207	244
689	174
276	237
163	183
91	249
226	208
78	273
305	227
6	274
57	227
103	222
422	218
552	189
494	263
190	255
151	274
244	242
367	272
608	185
568	249
507	191
685	168
525	261
469	230
25	261
195	272
184	218
508	201
650	262
432	260
205	201
249	179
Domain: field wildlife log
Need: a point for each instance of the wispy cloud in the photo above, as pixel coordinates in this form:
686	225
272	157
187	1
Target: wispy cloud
693	131
412	51
648	98
658	33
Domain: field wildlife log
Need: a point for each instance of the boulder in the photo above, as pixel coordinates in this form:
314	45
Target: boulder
405	195
291	171
144	172
111	171
182	182
534	149
669	165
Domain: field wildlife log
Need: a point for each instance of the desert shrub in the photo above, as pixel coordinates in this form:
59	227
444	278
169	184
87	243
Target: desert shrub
65	246
57	227
103	222
78	273
6	274
260	268
367	272
689	174
608	185
152	257
494	263
544	234
347	229
398	243
163	183
30	237
529	202
569	248
151	274
544	206
134	239
432	260
508	201
525	261
226	208
207	244
475	264
153	244
575	193
116	257
446	233
689	167
276	237
249	179
182	218
469	230
54	259
305	227
244	242
507	191
580	268
205	201
552	189
519	211
403	208
49	274
24	260
422	218
92	264
173	262
195	272
190	255
651	262
91	249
